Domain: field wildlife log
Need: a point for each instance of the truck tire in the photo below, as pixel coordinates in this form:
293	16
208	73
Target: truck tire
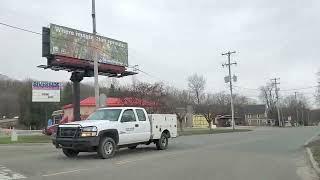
162	143
70	153
107	148
132	147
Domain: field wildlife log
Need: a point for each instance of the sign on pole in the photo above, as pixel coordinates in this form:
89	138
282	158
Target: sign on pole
44	91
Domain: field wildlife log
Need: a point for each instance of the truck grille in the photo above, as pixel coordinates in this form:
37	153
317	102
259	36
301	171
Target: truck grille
68	132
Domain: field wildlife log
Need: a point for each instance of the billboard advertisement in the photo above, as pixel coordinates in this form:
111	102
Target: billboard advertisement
44	91
80	45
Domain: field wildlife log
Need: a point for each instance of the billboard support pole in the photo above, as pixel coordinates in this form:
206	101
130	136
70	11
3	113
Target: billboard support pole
76	78
95	59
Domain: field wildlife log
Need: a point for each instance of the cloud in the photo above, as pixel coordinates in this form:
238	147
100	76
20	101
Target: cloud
173	39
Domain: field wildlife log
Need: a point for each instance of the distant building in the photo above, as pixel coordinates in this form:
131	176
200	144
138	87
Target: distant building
9	123
314	117
256	115
226	120
87	106
199	121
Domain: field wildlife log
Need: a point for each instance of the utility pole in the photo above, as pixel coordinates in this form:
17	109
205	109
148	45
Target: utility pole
229	64
95	59
275	83
297	112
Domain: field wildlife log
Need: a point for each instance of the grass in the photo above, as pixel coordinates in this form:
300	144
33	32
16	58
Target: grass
315	149
26	139
198	131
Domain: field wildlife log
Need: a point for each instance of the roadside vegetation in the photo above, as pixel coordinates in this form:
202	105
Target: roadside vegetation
26	139
16	100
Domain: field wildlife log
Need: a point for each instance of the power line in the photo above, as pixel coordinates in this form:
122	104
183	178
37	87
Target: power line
294	89
64	39
19	28
247	88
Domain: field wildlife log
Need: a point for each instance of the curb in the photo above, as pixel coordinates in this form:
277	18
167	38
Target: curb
314	163
311	139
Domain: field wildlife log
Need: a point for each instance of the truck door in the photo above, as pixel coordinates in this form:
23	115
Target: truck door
127	129
143	129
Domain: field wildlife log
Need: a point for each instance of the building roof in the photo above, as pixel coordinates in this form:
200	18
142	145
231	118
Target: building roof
255	109
115	102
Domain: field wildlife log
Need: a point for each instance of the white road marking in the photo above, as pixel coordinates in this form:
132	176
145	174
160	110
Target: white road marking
124	162
65	172
7	174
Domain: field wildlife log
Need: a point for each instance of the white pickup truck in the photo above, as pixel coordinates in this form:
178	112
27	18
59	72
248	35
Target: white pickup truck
108	129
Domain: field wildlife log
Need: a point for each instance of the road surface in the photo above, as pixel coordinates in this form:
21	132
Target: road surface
263	154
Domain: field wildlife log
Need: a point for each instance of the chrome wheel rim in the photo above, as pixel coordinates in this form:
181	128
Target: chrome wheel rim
108	148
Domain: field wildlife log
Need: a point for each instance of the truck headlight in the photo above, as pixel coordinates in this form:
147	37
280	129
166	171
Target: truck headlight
89	131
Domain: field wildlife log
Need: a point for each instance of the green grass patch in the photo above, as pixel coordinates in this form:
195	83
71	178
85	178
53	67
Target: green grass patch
26	139
188	132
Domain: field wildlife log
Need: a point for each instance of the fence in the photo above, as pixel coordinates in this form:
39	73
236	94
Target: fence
7	132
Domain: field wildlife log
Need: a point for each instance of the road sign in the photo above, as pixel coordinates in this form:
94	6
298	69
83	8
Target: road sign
44	91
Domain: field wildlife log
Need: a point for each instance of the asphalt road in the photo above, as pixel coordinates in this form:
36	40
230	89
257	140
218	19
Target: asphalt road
263	154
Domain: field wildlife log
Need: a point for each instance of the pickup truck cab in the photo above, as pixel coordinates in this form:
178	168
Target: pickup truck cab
108	129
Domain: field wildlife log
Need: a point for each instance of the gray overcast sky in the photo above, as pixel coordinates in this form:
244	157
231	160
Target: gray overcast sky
173	39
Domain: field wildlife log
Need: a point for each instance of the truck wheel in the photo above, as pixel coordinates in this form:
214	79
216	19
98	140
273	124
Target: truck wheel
70	153
107	148
162	143
132	147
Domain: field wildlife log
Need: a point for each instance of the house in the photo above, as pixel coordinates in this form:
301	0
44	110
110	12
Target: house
226	120
8	123
87	106
256	115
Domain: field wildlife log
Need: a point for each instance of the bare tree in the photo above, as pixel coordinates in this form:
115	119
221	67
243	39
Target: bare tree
268	97
206	109
177	102
196	84
296	107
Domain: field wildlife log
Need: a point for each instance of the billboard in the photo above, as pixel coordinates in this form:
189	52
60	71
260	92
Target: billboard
44	91
81	45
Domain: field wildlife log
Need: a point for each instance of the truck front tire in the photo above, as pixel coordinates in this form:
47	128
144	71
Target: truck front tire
162	143
70	153
107	148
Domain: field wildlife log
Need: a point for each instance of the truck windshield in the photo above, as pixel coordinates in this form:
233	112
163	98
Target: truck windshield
105	114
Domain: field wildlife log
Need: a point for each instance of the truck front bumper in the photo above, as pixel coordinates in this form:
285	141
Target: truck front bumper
80	143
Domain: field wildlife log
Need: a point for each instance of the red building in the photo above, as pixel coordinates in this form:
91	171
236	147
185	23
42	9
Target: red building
87	106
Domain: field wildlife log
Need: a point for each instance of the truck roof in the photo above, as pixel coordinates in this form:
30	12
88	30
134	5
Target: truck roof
126	107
